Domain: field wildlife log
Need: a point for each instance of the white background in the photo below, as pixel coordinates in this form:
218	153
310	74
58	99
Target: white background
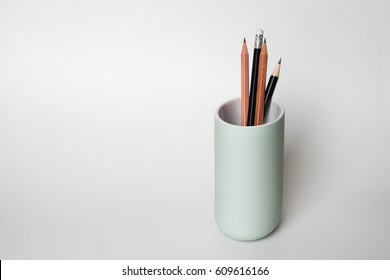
106	127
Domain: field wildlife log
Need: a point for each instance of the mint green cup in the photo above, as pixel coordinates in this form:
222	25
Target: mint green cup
248	172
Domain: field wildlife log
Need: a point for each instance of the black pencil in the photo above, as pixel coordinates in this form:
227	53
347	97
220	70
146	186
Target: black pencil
269	91
255	73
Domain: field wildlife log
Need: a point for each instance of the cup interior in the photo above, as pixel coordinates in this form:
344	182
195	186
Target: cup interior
230	112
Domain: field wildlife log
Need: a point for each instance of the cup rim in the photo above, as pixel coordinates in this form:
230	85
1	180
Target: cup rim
238	100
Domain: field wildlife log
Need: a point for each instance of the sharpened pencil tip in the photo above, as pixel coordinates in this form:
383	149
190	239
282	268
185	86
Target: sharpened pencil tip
244	40
280	61
265	40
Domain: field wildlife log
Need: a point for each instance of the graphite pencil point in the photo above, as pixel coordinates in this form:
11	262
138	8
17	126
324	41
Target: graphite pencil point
280	61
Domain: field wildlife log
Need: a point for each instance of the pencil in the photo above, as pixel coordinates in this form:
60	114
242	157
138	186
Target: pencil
255	71
273	80
260	99
244	83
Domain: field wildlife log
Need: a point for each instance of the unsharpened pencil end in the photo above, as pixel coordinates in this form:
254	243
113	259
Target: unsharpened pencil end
259	32
258	38
280	61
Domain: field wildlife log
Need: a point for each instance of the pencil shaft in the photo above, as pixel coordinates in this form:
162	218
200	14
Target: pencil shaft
260	99
244	83
255	71
269	91
253	89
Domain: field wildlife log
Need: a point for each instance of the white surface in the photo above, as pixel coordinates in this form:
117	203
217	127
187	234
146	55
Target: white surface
106	127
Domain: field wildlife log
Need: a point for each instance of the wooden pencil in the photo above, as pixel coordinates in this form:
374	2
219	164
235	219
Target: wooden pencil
269	91
260	98
244	83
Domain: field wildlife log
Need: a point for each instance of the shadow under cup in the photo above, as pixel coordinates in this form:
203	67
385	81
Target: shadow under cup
248	172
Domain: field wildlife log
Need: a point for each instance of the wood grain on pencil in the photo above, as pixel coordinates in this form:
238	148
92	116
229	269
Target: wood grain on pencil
244	83
261	83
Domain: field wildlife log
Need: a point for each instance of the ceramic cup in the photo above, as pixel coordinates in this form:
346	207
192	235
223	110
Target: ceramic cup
248	172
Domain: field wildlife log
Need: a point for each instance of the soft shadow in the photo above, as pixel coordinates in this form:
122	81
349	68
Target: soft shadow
298	135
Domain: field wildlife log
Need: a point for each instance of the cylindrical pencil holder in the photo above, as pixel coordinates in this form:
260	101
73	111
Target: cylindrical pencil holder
248	172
